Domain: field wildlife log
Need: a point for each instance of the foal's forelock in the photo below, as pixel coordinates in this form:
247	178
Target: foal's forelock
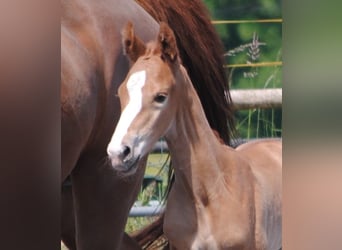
134	87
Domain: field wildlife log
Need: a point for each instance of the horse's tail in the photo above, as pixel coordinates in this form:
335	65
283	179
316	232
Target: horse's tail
201	51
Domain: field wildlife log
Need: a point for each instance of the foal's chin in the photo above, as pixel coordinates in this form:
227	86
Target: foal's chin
125	169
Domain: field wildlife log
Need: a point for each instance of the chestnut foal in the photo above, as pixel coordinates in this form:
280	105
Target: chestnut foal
222	198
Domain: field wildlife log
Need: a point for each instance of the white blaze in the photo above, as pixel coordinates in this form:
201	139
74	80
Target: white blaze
134	87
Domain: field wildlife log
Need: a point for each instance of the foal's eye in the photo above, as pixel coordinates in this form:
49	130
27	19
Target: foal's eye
160	97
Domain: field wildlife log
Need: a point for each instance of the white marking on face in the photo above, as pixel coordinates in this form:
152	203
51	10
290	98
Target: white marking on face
134	86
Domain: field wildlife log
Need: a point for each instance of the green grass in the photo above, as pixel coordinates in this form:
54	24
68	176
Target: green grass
259	123
134	224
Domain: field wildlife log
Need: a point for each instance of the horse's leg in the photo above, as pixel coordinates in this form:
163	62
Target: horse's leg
68	224
102	201
67	218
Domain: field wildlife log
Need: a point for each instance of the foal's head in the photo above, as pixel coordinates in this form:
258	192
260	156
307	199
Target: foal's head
147	97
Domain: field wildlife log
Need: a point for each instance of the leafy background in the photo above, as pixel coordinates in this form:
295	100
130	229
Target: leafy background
252	123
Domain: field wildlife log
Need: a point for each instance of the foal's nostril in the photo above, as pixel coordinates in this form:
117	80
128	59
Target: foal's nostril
126	151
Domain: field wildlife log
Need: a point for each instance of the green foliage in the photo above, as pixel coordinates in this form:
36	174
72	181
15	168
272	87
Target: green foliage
252	42
258	123
137	223
243	9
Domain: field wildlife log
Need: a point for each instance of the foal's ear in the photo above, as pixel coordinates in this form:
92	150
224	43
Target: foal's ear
167	42
133	46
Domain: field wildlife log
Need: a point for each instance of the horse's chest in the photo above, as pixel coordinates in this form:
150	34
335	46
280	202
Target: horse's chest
192	233
204	235
204	241
205	232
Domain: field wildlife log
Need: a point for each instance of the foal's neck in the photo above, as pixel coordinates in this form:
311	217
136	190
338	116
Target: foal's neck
193	146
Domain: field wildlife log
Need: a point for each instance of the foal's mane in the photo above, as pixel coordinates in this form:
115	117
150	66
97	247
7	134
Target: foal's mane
201	51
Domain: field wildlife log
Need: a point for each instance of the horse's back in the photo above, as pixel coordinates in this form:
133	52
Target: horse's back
265	160
262	150
91	48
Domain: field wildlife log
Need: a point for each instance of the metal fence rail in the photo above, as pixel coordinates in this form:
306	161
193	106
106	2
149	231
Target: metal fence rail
256	98
142	211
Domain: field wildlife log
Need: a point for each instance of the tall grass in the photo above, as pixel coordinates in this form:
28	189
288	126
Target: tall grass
256	123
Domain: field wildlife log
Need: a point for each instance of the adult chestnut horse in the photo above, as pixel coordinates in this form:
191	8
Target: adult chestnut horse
222	198
92	68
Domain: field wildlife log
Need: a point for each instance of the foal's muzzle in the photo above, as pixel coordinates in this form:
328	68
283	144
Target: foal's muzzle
123	159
